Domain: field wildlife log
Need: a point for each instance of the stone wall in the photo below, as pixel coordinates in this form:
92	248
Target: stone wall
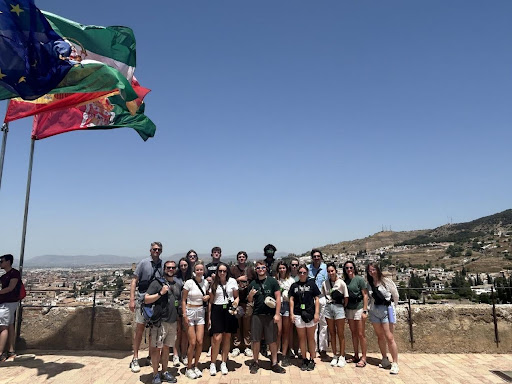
436	329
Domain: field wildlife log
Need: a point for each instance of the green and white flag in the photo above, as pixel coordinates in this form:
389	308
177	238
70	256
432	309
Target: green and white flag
114	46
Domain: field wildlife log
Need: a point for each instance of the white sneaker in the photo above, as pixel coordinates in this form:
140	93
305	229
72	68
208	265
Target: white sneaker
191	374
198	372
223	368
176	361
385	363
185	361
334	361
235	352
213	369
134	366
341	362
248	352
209	353
394	369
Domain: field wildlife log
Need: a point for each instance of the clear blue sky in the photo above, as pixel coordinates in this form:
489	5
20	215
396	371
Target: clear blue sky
299	123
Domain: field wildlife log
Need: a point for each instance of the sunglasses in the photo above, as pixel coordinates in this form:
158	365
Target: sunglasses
349	267
317	257
261	268
223	271
156	249
170	267
192	256
303	273
295	265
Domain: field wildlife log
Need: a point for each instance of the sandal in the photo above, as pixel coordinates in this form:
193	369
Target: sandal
353	360
361	364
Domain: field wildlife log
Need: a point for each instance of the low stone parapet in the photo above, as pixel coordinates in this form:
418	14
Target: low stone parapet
435	328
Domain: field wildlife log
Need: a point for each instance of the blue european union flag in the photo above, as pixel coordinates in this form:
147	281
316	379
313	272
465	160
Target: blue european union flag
31	52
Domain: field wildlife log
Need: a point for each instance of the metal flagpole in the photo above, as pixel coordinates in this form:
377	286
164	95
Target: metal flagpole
24	233
5	130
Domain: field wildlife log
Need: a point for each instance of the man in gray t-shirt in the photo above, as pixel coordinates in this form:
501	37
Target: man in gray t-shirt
146	270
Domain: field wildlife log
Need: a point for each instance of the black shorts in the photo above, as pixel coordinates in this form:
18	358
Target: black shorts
263	325
222	321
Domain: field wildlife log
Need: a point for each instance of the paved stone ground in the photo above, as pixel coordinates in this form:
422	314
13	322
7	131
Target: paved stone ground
84	367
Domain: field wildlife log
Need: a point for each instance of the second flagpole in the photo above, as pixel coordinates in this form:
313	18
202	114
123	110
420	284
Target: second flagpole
5	130
24	233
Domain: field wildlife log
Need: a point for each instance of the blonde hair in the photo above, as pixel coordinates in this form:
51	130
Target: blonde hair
198	262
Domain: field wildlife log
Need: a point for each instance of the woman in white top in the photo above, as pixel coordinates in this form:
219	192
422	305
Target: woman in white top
383	299
194	299
336	293
224	297
284	325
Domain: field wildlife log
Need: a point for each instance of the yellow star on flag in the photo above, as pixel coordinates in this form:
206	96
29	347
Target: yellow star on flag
2	75
16	9
22	79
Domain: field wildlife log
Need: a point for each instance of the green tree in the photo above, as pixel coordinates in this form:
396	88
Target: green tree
119	287
402	293
484	298
454	250
462	287
415	282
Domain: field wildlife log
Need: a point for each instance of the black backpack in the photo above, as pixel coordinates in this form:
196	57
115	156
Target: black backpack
153	313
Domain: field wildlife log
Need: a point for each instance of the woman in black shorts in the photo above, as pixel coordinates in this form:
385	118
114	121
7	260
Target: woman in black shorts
223	297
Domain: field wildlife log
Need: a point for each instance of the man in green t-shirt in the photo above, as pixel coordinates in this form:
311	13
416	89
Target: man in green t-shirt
263	292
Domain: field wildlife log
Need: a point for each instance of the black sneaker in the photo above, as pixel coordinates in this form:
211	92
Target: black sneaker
311	365
286	361
304	366
254	368
278	369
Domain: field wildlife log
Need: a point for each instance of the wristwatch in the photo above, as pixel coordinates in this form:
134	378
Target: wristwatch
159	293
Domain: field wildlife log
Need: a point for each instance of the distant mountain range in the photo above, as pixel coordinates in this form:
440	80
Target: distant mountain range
55	261
461	232
63	261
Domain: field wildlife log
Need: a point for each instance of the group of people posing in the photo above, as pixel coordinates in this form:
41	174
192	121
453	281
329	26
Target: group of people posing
275	305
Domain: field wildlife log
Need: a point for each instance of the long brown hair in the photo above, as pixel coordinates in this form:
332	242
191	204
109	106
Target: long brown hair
287	273
369	277
216	280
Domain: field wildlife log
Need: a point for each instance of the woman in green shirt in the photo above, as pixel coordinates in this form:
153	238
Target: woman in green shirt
357	311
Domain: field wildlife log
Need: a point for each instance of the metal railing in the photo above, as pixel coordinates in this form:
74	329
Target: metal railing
493	298
87	291
408	302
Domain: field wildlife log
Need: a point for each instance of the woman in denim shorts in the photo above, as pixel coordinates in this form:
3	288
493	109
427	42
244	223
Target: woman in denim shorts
335	312
285	324
383	297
